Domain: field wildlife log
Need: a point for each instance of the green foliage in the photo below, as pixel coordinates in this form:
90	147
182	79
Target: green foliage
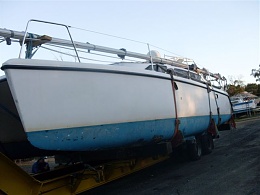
233	90
258	90
252	88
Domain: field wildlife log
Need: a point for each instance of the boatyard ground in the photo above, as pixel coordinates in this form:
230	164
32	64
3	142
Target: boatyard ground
232	168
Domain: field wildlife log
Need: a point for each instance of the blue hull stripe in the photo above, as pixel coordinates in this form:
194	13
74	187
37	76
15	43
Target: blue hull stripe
242	103
129	134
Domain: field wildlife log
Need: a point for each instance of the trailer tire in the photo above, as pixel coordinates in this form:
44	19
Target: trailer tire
195	150
207	144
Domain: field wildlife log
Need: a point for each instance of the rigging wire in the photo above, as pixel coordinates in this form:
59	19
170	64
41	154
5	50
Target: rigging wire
75	55
109	35
82	51
89	53
167	51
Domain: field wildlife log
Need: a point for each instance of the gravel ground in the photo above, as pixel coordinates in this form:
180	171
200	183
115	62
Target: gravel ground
232	168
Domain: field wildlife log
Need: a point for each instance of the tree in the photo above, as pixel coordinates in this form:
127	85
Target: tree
236	80
236	85
256	73
252	88
233	90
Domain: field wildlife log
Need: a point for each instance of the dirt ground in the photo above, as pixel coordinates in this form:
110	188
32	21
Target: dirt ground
232	168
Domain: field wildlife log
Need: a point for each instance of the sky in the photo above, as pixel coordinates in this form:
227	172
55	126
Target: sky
222	36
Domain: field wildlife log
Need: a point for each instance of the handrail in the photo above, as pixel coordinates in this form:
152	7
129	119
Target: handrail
41	21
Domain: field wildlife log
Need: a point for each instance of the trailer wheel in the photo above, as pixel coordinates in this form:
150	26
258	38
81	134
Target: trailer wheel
195	150
207	144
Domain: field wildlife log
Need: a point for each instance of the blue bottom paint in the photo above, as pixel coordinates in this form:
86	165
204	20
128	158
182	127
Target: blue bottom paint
224	118
103	136
129	134
193	125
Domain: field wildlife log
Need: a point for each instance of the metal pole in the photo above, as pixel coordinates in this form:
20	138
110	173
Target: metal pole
25	34
67	27
150	55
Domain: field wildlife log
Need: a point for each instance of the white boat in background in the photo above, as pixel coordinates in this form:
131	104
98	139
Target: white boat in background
242	104
71	106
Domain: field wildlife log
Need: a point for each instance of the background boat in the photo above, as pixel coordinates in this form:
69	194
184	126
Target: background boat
244	102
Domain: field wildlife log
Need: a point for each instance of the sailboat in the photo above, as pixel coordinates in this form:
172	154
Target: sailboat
243	103
74	106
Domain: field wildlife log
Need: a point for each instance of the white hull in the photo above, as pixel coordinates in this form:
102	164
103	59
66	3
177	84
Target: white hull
244	106
103	99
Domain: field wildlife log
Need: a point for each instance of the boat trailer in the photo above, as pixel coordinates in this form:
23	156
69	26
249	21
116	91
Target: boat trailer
69	179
